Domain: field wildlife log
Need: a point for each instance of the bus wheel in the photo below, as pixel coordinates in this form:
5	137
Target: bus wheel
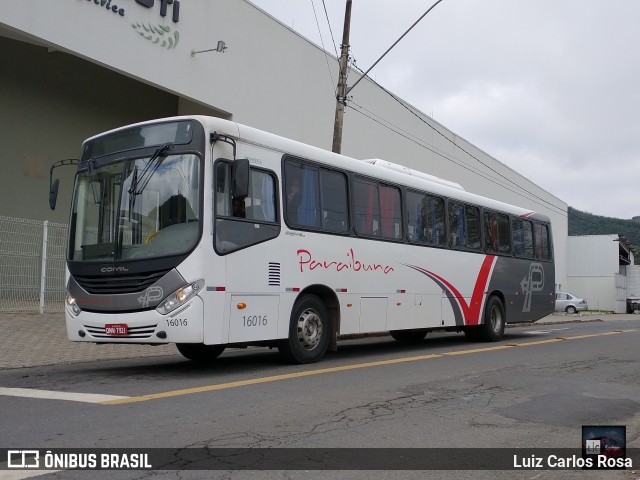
415	335
494	321
310	330
199	352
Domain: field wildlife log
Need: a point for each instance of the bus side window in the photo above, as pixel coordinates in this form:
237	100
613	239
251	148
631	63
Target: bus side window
496	232
260	203
472	215
542	247
333	192
366	208
523	238
416	210
245	221
425	219
458	237
390	212
302	196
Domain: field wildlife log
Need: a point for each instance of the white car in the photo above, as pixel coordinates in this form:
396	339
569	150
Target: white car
566	302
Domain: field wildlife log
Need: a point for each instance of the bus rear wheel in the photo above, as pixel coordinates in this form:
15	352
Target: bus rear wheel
492	329
310	330
415	335
199	352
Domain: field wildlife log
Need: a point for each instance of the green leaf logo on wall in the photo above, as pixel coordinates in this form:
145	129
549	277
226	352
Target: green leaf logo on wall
157	34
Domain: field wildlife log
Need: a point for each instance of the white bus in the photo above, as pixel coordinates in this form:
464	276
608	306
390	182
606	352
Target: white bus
209	234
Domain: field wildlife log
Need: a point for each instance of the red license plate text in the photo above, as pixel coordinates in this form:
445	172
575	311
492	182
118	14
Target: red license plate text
116	329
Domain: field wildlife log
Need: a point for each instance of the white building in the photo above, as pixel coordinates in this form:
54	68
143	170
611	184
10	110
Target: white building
596	271
73	68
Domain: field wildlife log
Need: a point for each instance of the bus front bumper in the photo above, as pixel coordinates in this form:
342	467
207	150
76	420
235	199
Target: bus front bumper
185	325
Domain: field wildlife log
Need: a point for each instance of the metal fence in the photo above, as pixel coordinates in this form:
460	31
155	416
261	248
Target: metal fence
32	265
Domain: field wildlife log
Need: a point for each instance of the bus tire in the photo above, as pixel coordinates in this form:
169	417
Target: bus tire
492	329
310	330
415	335
199	352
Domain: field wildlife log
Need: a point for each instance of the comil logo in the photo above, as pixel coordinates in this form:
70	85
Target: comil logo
23	459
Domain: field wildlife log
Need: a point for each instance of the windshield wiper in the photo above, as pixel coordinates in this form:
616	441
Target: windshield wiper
139	183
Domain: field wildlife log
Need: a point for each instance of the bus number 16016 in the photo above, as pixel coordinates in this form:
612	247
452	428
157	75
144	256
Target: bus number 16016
254	320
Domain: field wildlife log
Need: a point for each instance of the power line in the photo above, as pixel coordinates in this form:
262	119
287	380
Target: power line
394	44
403	133
333	40
464	166
545	202
322	42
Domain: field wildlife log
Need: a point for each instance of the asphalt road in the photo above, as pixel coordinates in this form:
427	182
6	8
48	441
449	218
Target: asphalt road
534	389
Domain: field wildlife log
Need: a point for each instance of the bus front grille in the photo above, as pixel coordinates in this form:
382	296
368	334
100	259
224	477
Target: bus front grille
133	332
131	283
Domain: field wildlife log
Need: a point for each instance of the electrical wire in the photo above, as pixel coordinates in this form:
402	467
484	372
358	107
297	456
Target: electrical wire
464	166
411	110
403	133
333	83
333	40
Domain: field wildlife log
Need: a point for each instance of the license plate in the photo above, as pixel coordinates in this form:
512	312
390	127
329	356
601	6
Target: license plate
116	329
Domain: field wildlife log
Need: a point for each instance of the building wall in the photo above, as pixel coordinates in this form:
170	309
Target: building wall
599	292
593	271
112	69
51	102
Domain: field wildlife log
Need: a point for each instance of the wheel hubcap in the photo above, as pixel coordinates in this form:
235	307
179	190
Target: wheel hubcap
309	329
496	319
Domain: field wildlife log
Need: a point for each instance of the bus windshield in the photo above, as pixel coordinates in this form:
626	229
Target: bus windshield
136	208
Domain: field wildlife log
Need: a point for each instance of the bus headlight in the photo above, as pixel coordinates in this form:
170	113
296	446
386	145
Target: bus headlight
71	303
179	297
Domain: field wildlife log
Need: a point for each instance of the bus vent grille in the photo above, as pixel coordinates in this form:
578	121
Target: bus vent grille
134	332
274	274
105	285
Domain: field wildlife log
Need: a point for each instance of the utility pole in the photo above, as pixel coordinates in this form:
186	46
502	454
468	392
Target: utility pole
342	90
342	82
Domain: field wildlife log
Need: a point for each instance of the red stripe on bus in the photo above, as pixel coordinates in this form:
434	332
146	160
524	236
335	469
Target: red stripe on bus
471	312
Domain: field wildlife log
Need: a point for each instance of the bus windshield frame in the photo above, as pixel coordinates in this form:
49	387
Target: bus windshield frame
144	201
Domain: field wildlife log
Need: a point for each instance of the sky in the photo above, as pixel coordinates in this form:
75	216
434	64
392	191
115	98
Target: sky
551	88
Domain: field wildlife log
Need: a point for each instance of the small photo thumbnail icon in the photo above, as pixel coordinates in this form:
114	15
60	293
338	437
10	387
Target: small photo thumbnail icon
604	441
593	447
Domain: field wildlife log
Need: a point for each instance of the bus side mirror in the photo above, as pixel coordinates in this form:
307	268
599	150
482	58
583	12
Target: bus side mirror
54	184
53	193
241	178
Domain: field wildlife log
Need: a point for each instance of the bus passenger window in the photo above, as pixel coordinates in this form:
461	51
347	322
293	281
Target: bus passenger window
523	238
496	232
366	208
426	219
457	225
543	250
302	202
333	189
472	215
390	213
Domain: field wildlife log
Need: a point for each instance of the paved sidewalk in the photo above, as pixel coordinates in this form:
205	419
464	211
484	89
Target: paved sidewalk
29	340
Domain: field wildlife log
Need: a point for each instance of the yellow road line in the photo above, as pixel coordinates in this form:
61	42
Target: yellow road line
321	371
537	342
477	350
274	378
